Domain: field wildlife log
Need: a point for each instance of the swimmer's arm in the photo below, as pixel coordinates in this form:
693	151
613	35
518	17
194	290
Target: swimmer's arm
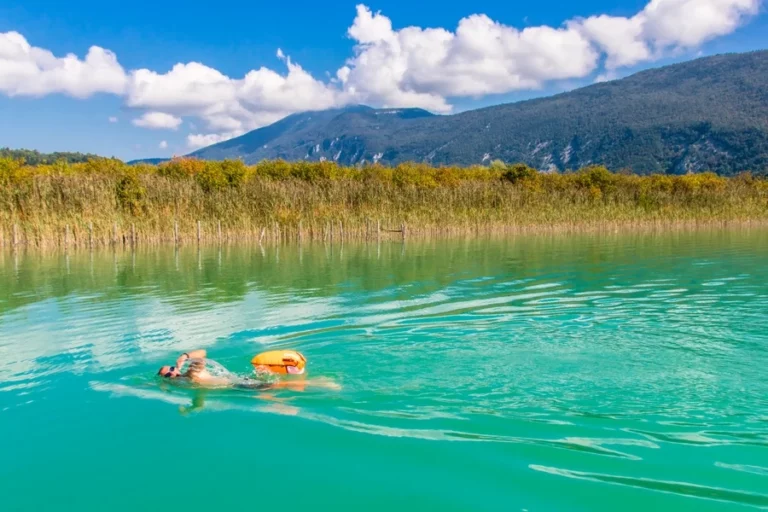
323	383
300	385
198	402
186	356
206	379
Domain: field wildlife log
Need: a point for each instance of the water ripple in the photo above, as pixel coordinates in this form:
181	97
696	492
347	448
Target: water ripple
679	488
620	357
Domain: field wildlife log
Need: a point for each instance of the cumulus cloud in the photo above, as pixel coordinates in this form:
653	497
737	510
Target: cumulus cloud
661	26
390	67
414	66
606	77
157	121
620	38
424	67
200	140
163	144
26	70
229	105
689	23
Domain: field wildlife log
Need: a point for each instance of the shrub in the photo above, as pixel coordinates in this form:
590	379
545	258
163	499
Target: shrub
180	168
520	172
275	169
10	171
131	194
595	176
235	172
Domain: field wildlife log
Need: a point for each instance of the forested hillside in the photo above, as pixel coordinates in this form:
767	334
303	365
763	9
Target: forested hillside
706	114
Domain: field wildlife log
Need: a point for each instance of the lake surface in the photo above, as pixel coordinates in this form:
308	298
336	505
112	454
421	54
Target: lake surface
538	373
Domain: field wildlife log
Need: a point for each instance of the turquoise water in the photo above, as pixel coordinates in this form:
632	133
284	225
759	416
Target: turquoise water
592	372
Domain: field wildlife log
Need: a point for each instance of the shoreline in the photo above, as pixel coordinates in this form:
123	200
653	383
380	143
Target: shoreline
211	235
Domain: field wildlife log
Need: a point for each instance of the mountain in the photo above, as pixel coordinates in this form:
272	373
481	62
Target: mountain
706	114
150	161
345	135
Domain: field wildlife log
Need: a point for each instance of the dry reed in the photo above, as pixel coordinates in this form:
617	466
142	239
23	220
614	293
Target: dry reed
105	202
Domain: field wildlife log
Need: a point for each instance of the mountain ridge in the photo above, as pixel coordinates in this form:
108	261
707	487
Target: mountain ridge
707	114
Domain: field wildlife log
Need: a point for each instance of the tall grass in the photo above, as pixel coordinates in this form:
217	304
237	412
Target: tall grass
106	201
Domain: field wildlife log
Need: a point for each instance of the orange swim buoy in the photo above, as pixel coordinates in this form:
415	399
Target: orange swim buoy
286	362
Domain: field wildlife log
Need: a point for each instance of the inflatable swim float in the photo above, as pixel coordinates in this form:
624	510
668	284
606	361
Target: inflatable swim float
286	362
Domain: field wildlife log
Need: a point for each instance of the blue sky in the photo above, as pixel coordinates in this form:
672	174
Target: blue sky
517	50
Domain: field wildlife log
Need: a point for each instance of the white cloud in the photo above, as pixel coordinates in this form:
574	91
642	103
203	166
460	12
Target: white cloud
226	104
424	67
163	144
689	23
112	119
200	140
606	77
157	121
620	38
663	25
390	67
415	66
26	70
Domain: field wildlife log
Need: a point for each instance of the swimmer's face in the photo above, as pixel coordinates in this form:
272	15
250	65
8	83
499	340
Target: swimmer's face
169	372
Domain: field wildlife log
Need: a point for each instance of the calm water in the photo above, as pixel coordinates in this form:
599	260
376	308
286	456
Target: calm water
624	372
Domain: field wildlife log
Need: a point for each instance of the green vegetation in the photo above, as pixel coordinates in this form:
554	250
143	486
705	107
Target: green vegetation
54	204
32	157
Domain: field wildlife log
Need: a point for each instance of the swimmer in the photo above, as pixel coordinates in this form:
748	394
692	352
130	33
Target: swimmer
199	374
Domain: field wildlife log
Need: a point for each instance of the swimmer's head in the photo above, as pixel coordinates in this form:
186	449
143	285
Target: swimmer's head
169	372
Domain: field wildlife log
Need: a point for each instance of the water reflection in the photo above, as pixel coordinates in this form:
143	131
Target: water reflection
598	358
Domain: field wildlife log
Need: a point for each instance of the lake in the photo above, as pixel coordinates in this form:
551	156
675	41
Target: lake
624	371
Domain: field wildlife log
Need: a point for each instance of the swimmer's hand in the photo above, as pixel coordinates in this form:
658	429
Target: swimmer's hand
323	383
287	410
186	356
301	385
335	386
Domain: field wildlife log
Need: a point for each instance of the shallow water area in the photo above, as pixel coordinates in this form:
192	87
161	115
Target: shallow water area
608	372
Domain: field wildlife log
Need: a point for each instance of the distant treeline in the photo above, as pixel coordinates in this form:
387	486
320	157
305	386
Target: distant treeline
32	157
104	201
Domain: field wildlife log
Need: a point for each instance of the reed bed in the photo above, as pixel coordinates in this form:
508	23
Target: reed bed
106	202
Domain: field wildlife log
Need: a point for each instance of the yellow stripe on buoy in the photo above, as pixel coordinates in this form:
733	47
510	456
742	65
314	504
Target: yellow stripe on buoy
280	361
